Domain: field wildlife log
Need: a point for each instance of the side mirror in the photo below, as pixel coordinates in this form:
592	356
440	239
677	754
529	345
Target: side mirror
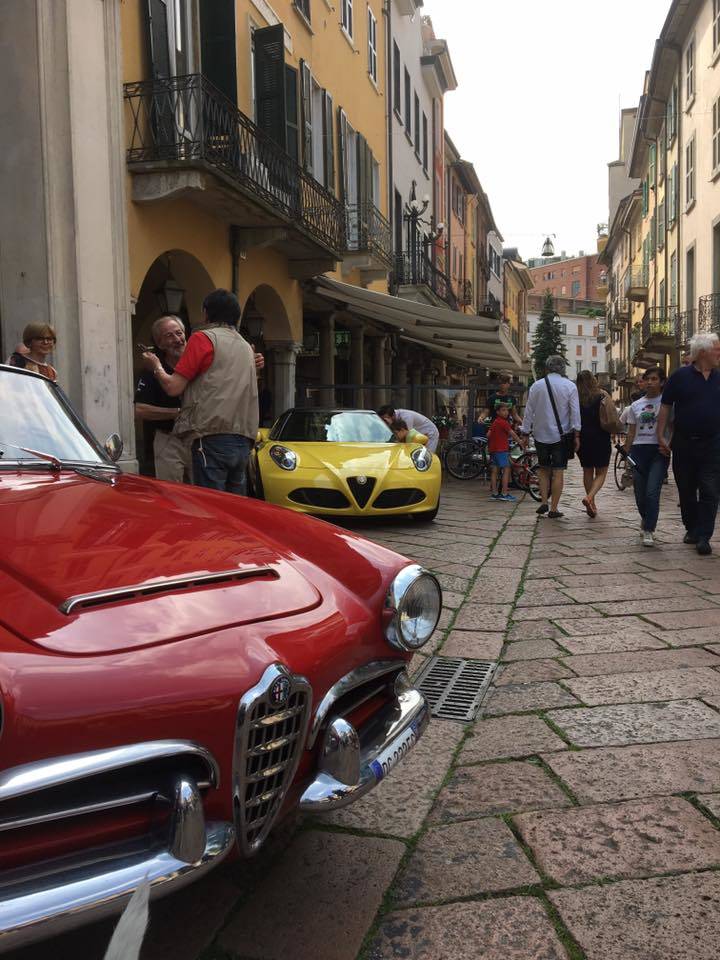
263	435
113	447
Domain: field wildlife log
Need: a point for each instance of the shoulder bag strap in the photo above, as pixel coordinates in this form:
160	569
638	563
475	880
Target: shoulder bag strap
552	401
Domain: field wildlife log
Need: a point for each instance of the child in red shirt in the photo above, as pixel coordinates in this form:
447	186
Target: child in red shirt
499	436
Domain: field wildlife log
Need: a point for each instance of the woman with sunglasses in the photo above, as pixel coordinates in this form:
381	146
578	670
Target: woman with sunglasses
39	342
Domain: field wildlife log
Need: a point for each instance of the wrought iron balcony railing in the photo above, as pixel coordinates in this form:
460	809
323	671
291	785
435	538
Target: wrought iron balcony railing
709	313
465	293
658	322
635	281
491	309
635	341
368	231
186	121
685	328
418	270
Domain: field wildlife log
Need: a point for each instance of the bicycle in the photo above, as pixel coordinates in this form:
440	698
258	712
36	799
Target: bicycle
622	470
469	460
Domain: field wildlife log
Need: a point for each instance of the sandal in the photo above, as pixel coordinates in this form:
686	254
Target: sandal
554	514
590	507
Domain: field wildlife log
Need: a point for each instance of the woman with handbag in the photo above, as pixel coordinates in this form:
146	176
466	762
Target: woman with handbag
599	420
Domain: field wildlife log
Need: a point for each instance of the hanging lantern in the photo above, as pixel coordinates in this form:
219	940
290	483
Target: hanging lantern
548	249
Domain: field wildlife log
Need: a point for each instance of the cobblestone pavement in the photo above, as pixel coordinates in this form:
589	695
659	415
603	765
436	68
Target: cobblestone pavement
577	818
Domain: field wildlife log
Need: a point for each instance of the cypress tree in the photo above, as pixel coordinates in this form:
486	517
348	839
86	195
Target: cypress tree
548	337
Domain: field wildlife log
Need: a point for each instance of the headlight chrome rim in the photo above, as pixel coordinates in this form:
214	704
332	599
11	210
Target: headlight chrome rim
422	459
283	457
401	595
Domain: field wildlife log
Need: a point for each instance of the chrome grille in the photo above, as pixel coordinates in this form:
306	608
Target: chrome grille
269	742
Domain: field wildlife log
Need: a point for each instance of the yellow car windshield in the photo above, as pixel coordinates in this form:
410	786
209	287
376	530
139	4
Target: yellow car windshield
328	426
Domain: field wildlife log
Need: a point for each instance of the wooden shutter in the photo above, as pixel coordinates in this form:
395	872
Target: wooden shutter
217	46
292	113
329	142
269	55
158	38
342	153
306	99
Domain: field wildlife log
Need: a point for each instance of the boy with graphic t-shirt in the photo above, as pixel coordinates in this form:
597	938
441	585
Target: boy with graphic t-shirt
503	396
651	465
499	436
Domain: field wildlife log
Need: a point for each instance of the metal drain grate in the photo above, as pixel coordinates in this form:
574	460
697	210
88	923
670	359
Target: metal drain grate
454	687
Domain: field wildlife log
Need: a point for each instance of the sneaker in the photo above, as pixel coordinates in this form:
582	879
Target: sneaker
555	515
690	538
507	498
648	540
495	496
704	548
543	508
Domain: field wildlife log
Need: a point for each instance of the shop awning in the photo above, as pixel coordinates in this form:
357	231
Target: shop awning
464	338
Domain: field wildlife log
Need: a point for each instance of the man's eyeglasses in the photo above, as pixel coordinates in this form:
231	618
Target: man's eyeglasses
44	339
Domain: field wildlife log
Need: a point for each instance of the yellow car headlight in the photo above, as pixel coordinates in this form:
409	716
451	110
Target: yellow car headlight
284	458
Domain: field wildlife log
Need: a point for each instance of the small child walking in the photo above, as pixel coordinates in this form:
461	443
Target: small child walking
499	436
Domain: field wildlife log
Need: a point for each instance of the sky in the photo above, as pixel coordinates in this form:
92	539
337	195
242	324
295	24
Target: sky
537	107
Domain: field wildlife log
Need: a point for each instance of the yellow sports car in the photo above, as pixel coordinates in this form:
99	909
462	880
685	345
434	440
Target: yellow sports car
343	463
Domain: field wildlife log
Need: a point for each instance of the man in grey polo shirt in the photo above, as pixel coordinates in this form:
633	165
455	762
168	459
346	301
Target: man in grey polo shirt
540	420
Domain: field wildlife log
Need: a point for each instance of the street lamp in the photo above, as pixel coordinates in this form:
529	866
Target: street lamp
548	249
414	212
170	295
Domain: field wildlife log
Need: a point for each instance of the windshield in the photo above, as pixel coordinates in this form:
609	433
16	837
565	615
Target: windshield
33	414
319	426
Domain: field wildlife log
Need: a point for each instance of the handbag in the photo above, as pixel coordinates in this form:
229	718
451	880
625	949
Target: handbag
567	439
608	415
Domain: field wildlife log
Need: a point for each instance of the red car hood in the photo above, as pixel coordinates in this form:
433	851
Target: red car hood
65	536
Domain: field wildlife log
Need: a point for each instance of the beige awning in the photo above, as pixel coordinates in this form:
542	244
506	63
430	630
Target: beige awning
467	339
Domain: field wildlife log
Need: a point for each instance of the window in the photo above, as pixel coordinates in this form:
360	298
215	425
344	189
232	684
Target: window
594	366
306	105
661	226
690	173
418	132
576	288
580	330
594	349
408	104
304	7
346	16
672	200
716	25
397	101
716	134
663	156
563	291
673	280
578	366
652	165
645	196
671	122
563	329
372	46
425	143
292	118
690	72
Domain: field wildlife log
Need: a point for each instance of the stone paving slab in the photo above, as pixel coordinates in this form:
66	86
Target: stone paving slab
513	928
638	723
473	645
648	608
680	621
625	840
566	611
611	642
692	637
673	918
531	671
628	593
343	877
548	597
519	698
531	650
486	617
461	860
400	803
636	687
507	737
594	665
712	802
534	630
643	770
475	792
591	625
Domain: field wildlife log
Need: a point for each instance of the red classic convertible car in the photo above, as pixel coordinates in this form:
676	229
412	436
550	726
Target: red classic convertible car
178	668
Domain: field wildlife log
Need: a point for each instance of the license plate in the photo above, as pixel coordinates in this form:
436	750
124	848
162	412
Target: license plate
390	758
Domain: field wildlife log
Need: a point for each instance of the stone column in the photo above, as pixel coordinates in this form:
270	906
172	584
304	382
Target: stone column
284	361
379	371
400	378
327	359
357	362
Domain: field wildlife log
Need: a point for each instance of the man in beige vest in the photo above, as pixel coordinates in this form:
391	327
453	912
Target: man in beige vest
217	380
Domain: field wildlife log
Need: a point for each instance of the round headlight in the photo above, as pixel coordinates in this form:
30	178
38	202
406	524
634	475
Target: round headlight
422	458
284	458
415	598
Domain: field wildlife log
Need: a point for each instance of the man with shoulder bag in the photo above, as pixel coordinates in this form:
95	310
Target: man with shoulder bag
552	415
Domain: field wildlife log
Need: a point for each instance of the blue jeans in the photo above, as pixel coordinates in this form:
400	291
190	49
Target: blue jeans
220	462
652	468
696	466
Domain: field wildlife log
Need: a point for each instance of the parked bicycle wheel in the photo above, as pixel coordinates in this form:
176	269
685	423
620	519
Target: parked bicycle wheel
526	477
465	460
620	469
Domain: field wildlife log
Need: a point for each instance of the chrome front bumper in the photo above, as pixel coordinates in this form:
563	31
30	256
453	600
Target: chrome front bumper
353	762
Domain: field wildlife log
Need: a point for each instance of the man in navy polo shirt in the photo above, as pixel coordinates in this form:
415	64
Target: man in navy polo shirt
694	393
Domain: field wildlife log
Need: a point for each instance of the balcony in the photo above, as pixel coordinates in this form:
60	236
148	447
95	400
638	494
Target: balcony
635	284
369	242
186	139
709	314
415	277
465	293
636	345
686	326
653	339
491	309
601	332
